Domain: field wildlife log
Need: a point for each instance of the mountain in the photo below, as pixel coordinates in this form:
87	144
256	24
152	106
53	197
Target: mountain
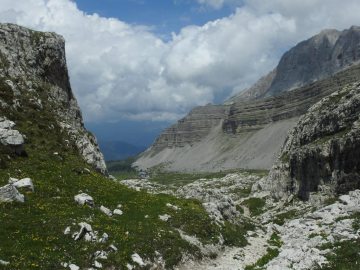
314	59
253	126
117	150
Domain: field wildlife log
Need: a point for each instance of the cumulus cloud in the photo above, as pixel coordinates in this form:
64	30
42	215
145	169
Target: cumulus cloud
120	70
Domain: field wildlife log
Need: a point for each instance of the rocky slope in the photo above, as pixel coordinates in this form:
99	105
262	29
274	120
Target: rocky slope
249	135
287	234
322	151
33	70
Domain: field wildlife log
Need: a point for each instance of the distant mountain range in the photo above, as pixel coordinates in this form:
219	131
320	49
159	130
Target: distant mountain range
117	150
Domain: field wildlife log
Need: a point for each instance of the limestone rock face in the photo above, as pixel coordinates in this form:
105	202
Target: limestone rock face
31	62
192	128
314	59
323	150
257	90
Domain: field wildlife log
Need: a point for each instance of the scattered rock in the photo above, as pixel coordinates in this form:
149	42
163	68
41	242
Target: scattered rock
67	230
174	207
101	255
84	199
137	259
117	212
74	267
85	229
23	183
8	136
9	193
97	264
4	263
114	248
104	238
164	217
106	211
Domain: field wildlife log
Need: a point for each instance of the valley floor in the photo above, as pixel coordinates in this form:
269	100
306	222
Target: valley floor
320	234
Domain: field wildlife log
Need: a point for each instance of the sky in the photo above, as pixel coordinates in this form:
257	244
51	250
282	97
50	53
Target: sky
139	65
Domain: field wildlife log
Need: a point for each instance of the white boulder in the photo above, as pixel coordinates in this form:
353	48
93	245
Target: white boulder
165	217
11	137
67	230
174	207
106	211
104	238
9	193
23	183
85	229
117	212
97	264
4	262
137	259
74	267
84	199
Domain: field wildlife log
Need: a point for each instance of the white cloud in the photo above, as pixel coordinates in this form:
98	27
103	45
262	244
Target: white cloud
217	4
119	70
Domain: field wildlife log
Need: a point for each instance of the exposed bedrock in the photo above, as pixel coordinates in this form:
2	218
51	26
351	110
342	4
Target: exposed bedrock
323	151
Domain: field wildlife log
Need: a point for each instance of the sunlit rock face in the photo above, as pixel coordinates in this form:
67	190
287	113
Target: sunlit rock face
32	63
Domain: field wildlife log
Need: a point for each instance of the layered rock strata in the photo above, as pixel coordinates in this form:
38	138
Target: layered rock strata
322	152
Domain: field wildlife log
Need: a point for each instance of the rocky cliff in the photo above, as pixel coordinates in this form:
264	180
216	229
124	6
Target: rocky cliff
33	73
316	58
251	128
322	152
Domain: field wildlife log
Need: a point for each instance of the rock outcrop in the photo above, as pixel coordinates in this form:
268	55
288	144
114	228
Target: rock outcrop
33	70
322	153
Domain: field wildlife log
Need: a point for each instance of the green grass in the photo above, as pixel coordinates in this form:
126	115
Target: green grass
271	254
275	240
344	256
178	179
231	234
281	218
255	205
36	227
